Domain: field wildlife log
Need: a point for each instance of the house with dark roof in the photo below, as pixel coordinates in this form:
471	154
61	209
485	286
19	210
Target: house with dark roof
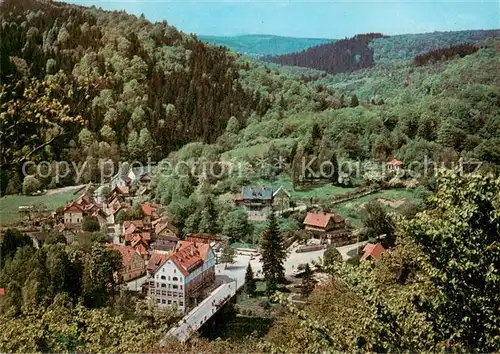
164	243
256	200
179	279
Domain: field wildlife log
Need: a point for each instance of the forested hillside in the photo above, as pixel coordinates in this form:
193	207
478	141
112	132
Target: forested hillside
259	45
365	51
408	46
120	85
341	56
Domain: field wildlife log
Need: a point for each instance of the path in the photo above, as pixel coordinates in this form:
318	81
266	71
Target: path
64	189
301	207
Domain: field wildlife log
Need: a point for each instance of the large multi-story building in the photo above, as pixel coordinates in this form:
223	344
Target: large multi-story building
180	278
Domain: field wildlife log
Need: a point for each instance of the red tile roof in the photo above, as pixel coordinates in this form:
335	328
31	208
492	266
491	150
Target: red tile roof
2	291
189	256
127	252
156	260
74	208
148	209
142	250
395	162
374	251
321	219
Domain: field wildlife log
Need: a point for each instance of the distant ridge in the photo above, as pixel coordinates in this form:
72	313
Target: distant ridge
341	56
366	50
260	45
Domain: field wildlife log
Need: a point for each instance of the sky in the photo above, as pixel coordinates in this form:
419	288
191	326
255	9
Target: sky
319	19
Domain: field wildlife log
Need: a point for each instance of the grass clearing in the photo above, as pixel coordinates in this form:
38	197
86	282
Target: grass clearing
350	210
9	204
318	194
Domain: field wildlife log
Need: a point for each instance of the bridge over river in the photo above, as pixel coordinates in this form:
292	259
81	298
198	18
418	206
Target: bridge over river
232	278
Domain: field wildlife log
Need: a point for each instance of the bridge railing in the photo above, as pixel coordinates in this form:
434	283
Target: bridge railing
202	313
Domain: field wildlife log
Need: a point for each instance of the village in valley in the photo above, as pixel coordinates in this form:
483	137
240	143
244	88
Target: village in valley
184	270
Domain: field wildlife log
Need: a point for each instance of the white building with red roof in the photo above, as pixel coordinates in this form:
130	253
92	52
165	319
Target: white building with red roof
179	278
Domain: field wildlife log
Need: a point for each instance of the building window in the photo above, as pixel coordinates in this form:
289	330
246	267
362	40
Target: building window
175	286
163	293
181	303
180	278
180	287
169	293
163	301
163	285
157	276
163	277
175	279
175	270
174	293
169	302
152	292
157	292
158	301
157	285
169	277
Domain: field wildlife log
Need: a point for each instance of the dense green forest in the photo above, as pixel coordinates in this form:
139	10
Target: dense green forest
364	51
259	45
87	85
120	86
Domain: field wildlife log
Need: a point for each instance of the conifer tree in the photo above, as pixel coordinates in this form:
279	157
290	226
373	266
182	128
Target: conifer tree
273	254
307	281
249	280
208	220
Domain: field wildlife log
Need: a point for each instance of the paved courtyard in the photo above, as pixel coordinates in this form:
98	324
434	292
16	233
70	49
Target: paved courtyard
238	268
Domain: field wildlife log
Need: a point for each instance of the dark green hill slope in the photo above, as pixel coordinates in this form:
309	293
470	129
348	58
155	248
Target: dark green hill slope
259	45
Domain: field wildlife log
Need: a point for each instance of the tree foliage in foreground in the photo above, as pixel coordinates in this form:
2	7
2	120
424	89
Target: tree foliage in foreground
437	290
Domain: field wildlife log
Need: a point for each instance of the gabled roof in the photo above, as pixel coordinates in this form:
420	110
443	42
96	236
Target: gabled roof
321	219
148	209
257	192
136	223
281	190
395	162
156	260
188	256
127	252
141	250
74	208
160	226
121	189
2	291
374	251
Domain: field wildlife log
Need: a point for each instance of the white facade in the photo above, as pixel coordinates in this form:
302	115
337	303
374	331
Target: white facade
169	286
